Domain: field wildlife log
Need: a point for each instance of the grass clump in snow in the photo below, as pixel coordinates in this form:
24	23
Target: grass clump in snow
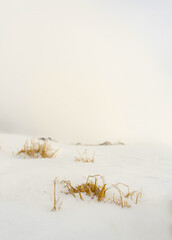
122	197
37	150
90	188
84	157
95	188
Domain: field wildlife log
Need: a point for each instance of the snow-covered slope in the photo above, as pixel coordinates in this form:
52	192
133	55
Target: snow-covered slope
26	193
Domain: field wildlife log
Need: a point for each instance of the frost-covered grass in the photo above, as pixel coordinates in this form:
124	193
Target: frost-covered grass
26	193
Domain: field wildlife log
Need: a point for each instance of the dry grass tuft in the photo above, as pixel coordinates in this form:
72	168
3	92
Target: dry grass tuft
37	150
84	157
124	198
90	188
95	188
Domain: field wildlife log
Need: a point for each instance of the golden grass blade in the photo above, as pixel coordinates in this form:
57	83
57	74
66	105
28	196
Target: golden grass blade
119	190
55	199
80	195
130	194
138	195
102	193
123	185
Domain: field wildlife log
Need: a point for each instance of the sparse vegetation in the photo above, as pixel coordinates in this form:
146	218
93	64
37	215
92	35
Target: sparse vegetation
57	202
90	188
95	188
84	157
37	150
124	198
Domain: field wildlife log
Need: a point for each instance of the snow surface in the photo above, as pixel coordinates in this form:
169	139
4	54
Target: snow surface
26	193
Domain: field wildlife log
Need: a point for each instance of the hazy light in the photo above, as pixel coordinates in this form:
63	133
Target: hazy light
86	70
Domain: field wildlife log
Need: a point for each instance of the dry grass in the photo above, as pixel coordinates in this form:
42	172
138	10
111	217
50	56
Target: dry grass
57	202
95	188
90	188
37	150
84	157
124	198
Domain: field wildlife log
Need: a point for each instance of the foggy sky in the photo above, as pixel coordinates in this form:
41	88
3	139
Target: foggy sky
86	70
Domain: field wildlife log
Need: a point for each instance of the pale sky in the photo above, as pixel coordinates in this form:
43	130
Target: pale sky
86	70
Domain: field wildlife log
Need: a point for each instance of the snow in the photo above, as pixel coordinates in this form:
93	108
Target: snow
26	193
